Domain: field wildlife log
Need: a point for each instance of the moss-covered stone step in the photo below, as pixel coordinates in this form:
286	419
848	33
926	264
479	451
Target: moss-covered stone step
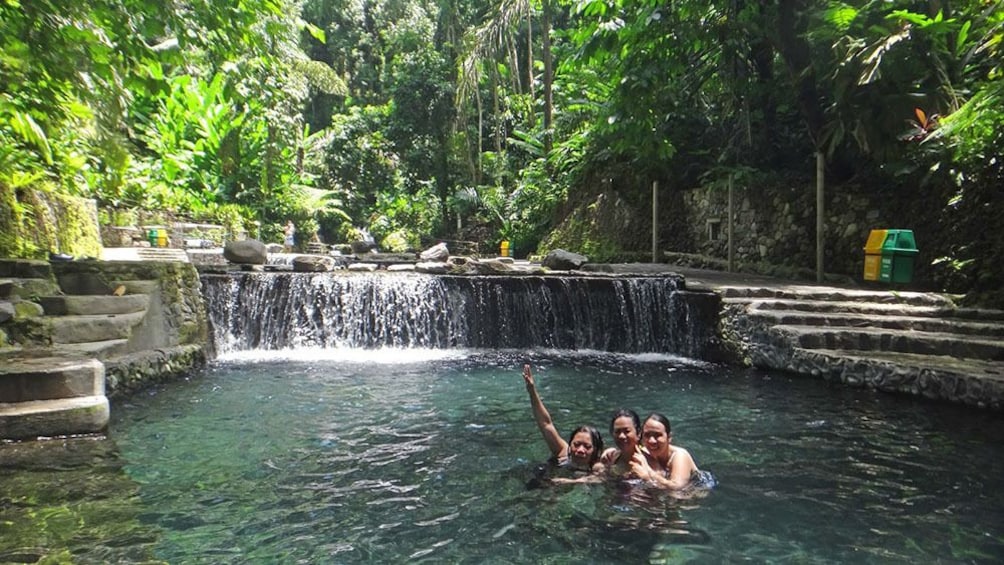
94	304
48	378
97	349
89	328
47	418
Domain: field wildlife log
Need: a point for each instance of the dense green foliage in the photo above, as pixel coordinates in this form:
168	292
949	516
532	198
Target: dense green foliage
490	120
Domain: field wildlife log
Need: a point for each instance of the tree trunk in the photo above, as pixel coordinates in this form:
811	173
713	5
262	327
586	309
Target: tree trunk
548	100
797	56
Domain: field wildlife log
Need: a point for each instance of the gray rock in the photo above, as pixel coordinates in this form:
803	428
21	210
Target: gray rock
432	268
490	266
437	252
312	264
274	248
401	267
246	252
561	260
6	311
364	267
25	309
363	247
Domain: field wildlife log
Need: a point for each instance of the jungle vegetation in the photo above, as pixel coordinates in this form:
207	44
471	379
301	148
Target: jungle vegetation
485	119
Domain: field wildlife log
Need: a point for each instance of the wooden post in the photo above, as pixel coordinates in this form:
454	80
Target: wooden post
655	221
820	214
730	225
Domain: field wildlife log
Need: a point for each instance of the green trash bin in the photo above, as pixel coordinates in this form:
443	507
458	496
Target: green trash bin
899	251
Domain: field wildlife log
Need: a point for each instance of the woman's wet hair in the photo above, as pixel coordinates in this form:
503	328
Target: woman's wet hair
661	419
594	436
630	414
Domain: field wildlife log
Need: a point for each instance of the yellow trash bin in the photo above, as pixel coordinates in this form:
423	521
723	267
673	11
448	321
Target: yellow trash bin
504	248
873	254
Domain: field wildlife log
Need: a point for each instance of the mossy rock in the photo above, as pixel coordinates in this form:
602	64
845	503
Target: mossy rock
604	230
37	220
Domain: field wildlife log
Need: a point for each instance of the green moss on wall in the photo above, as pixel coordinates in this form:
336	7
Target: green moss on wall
602	230
38	220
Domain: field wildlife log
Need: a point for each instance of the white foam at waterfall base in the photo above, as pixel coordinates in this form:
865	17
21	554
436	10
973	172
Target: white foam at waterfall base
380	356
405	355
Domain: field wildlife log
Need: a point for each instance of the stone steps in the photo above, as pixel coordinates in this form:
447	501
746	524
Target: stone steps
900	341
912	343
830	294
48	396
62	323
891	322
871	308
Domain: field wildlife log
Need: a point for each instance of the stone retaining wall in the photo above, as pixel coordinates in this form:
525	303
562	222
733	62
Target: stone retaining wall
777	224
126	374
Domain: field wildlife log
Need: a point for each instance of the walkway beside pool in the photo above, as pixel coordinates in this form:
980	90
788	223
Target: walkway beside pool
868	336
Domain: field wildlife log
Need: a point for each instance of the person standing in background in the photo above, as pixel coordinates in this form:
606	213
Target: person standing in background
290	237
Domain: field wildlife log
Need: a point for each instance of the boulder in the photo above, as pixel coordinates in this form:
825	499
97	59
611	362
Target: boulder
246	252
437	252
312	264
363	247
561	260
275	248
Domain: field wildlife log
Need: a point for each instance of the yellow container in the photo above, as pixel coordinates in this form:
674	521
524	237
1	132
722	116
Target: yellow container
873	254
504	248
161	238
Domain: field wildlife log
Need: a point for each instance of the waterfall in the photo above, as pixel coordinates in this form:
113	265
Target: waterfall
293	310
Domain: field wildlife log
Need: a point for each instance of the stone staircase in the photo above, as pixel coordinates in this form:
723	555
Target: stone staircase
906	342
47	396
52	380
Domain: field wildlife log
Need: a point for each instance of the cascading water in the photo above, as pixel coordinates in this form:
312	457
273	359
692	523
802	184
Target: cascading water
293	310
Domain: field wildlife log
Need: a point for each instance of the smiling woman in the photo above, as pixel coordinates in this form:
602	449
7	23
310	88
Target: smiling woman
659	462
581	453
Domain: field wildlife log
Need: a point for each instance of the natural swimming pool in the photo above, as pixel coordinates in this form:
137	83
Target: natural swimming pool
423	455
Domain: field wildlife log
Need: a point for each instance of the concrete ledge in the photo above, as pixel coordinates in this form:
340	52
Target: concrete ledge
969	382
49	378
67	416
94	304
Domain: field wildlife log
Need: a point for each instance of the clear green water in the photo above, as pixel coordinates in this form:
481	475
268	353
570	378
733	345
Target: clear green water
424	456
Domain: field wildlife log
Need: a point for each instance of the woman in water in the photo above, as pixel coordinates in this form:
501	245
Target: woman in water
581	452
625	426
660	462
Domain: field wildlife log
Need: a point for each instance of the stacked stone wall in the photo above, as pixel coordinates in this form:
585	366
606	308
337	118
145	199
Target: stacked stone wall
776	225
